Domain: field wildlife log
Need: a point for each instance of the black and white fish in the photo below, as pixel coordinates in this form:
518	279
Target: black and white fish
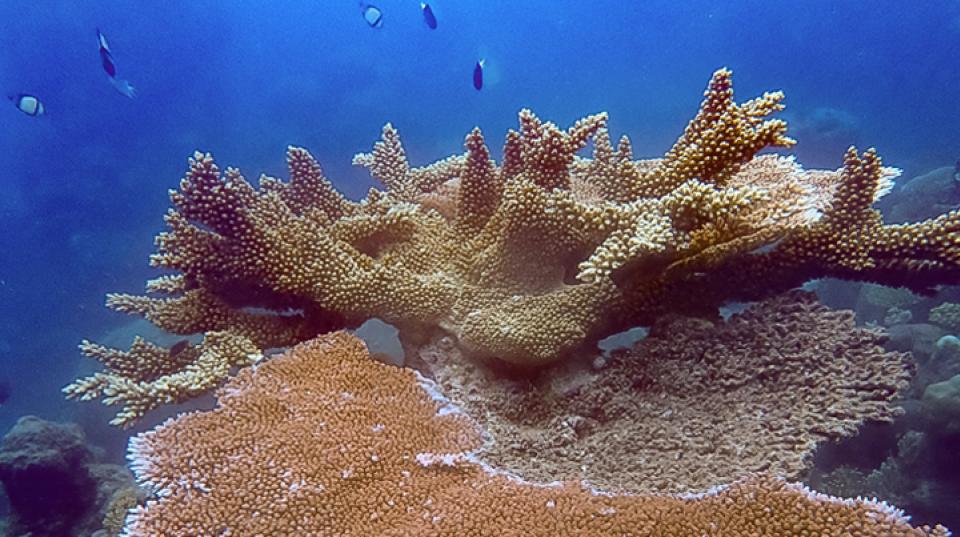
478	75
372	15
428	17
110	67
179	347
28	104
106	57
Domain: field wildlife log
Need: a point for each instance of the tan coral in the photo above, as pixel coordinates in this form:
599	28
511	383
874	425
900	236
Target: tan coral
119	504
388	164
326	441
544	254
159	375
758	392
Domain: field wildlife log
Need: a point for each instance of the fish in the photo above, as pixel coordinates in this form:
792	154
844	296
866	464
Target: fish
28	104
106	57
372	15
478	75
956	172
428	17
179	347
5	390
110	67
123	87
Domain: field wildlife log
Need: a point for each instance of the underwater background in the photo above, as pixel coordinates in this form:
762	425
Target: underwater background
84	187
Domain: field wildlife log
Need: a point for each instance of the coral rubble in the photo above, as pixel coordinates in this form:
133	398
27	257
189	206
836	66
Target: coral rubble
326	441
527	260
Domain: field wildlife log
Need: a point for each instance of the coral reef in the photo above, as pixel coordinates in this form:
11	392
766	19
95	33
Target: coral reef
916	467
53	480
526	261
946	315
887	297
758	392
941	403
324	440
120	503
912	461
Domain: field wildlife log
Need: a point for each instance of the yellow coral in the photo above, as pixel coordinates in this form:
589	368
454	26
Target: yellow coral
148	376
546	252
120	503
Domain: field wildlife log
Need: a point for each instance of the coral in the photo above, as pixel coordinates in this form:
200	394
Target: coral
326	441
120	503
843	481
941	404
888	297
895	315
758	392
527	261
148	375
946	315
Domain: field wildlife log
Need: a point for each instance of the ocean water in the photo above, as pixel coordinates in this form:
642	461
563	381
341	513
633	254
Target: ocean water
83	187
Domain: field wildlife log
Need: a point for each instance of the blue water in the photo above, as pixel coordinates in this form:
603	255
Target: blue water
83	188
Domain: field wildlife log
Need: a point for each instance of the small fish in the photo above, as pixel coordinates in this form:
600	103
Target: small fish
956	172
478	75
106	57
371	15
179	347
28	104
5	390
428	16
110	67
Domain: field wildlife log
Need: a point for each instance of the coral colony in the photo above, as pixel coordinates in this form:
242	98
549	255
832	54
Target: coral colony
522	265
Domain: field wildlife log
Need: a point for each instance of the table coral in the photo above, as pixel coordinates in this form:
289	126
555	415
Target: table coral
527	260
691	405
326	441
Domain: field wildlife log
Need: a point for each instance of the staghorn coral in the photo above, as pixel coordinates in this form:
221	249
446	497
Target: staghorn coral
148	375
326	441
529	260
758	392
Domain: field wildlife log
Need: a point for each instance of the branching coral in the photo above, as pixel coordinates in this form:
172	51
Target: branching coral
148	376
326	441
530	259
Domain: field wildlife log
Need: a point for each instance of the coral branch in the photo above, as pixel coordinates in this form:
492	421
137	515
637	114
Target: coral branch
547	252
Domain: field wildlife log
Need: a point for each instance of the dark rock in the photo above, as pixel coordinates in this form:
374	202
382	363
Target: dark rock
43	469
54	485
926	196
918	338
